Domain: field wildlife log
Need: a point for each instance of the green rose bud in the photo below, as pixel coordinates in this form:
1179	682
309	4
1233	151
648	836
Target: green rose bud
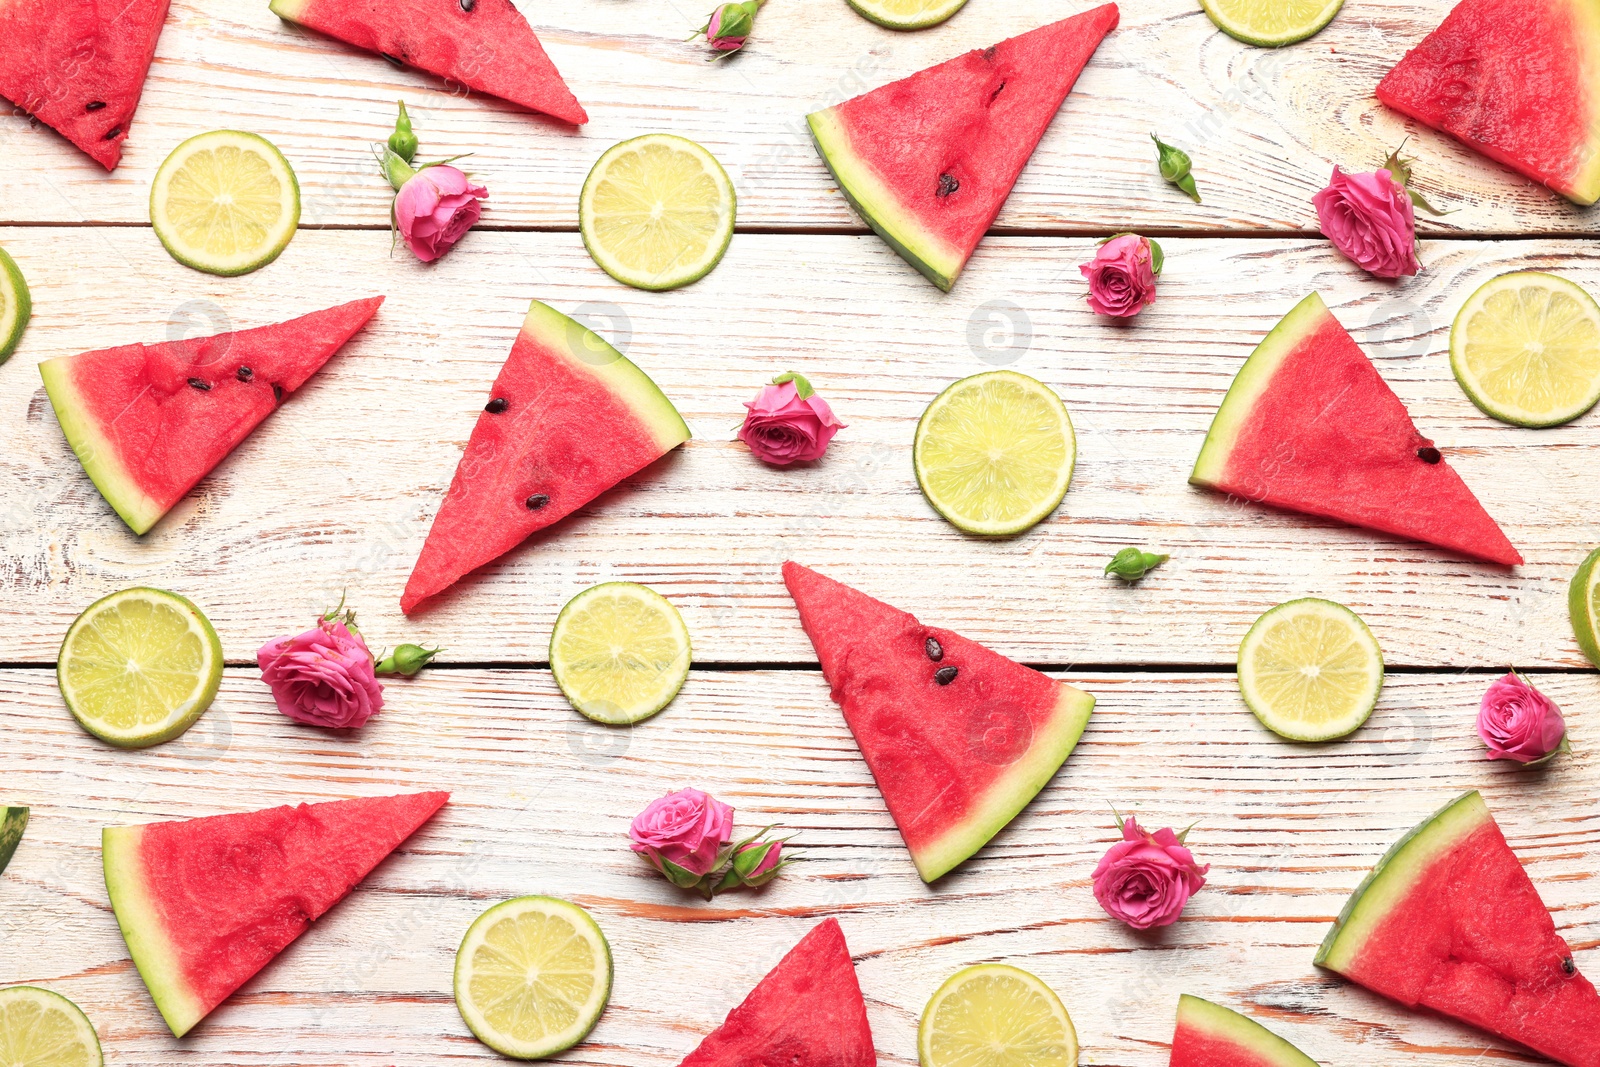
1175	165
402	142
407	660
1131	564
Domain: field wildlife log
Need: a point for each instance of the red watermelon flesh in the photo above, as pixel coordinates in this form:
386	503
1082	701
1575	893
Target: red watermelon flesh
929	160
79	66
807	1012
1209	1035
1309	425
955	761
485	45
206	903
576	419
1518	80
1450	920
149	421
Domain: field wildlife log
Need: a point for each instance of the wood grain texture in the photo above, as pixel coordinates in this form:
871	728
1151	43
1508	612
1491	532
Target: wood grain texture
542	799
1264	127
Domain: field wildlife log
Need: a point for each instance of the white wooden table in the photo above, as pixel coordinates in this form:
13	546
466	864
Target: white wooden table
334	494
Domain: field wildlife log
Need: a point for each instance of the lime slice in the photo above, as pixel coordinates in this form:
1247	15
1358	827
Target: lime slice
1526	349
532	976
907	14
39	1028
139	667
994	1015
13	821
657	212
1310	670
994	453
1270	23
1583	604
620	652
15	305
225	202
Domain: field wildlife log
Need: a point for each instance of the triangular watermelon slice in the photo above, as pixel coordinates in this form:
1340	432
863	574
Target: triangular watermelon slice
149	421
1209	1035
929	160
79	66
807	1012
1518	80
1309	425
1449	920
483	44
206	903
568	418
958	738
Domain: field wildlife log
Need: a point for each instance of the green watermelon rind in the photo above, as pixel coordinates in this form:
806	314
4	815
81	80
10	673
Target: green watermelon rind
97	455
13	824
1225	1024
1400	869
153	950
21	306
1006	796
876	203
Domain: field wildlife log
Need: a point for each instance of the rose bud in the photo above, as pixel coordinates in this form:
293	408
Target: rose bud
403	141
1146	879
407	660
757	862
1175	166
1122	275
1131	564
729	27
324	677
1369	218
788	423
682	835
1517	722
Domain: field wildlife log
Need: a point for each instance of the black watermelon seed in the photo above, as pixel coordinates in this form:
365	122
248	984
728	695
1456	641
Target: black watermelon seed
113	133
497	405
277	391
988	53
944	675
200	384
947	185
244	374
468	5
396	60
94	105
1429	455
1568	966
537	501
934	650
996	92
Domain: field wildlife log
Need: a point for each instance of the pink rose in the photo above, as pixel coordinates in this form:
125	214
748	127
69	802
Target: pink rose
684	831
757	862
323	677
1122	276
1146	879
1517	722
435	208
714	35
1370	219
788	423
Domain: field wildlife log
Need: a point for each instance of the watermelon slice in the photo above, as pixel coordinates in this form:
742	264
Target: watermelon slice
958	738
1210	1035
1309	425
928	160
78	66
807	1012
149	421
1449	920
206	903
483	44
1518	80
567	419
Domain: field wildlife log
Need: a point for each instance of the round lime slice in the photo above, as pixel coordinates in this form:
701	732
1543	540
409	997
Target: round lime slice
1271	23
532	976
657	212
139	667
907	14
1310	670
15	305
1525	348
995	1015
225	202
620	652
39	1028
1583	604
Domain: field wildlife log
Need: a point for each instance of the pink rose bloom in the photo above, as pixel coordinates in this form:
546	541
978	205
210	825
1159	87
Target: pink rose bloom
1122	277
784	427
323	677
1370	219
1146	879
714	33
1517	722
435	208
686	829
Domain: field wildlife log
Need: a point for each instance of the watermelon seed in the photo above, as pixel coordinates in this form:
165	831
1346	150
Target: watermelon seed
1568	966
468	5
244	374
397	61
497	405
537	501
200	384
996	92
934	649
94	105
277	391
944	675
1429	455
947	185
988	53
113	132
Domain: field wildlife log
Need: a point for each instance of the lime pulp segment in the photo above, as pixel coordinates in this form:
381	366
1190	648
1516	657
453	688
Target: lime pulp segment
995	1015
225	202
1525	348
620	652
1310	670
907	14
1271	23
39	1028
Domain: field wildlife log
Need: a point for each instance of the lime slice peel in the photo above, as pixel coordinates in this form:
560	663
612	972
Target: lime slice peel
39	1028
620	652
1583	606
996	1015
1525	348
1271	23
16	305
225	202
907	14
1310	670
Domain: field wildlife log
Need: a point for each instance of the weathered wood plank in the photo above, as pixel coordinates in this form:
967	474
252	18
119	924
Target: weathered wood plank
1265	127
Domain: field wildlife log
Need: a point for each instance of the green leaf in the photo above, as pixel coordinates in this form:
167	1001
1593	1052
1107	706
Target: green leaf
801	386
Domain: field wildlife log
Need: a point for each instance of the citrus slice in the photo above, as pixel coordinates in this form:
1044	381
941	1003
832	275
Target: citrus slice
994	453
39	1028
139	667
907	14
657	211
995	1015
532	976
1583	604
225	202
15	305
620	652
1271	23
1310	670
1526	349
13	822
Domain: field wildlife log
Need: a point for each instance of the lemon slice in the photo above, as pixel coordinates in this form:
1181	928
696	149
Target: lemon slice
994	1015
39	1028
139	667
657	212
1310	670
225	202
1526	349
620	652
994	453
532	976
1583	604
15	305
1270	23
907	14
